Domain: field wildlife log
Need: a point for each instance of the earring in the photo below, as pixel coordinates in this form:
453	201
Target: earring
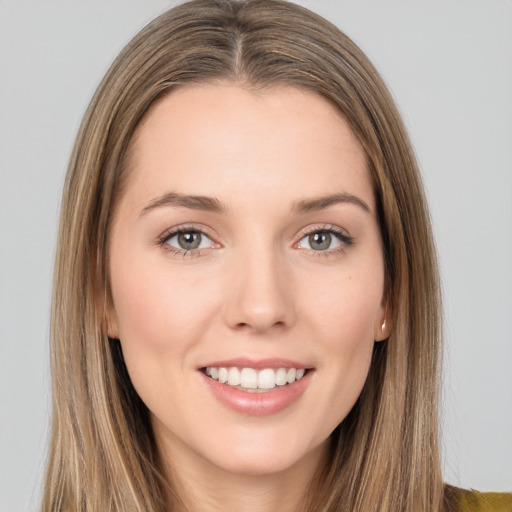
383	326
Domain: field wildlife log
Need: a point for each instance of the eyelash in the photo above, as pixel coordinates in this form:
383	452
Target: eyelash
164	238
345	239
341	235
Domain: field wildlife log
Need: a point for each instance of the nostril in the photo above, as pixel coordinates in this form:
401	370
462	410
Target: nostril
260	325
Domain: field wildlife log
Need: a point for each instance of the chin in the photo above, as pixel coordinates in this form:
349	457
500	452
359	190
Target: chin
264	457
257	465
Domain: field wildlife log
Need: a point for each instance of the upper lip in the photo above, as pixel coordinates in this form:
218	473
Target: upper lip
248	362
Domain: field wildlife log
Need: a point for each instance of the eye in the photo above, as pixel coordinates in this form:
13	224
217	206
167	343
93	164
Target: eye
188	240
322	240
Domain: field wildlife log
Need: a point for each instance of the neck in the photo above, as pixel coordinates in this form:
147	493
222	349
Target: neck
204	487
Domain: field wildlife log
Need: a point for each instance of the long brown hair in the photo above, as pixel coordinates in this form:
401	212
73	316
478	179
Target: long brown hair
103	455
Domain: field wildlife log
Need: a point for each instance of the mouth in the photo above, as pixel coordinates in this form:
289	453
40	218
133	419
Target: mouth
255	380
257	387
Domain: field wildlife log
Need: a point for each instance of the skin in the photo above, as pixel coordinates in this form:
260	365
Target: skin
256	288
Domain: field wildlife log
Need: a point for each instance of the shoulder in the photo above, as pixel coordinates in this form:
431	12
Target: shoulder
462	500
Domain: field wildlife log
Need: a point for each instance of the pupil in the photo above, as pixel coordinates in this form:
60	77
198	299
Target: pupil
189	240
320	241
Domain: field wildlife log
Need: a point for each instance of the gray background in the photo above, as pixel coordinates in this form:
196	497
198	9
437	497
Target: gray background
449	65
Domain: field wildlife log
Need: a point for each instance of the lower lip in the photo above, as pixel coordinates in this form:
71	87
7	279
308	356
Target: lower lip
261	403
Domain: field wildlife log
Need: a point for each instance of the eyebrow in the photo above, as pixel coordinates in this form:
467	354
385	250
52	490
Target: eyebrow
319	203
204	203
211	204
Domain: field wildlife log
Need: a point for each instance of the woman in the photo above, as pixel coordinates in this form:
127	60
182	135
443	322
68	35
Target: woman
246	303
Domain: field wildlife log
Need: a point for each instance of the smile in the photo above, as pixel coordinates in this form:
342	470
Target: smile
253	380
257	388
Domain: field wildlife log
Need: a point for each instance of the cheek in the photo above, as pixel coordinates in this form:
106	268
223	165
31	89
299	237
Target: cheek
141	310
158	327
162	315
151	303
349	338
344	319
346	305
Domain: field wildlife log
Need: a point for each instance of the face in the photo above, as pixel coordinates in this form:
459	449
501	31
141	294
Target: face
247	275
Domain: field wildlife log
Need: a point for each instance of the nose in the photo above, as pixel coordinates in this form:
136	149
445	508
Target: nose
260	292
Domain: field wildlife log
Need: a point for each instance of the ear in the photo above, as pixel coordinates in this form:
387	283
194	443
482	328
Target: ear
109	323
383	322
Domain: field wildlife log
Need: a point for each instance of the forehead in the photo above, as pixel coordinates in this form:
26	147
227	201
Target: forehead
229	140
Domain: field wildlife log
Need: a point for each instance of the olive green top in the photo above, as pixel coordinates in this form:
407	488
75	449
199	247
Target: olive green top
461	500
474	501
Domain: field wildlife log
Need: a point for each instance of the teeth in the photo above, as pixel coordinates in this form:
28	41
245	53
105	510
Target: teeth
223	375
249	378
290	375
234	377
281	377
267	379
